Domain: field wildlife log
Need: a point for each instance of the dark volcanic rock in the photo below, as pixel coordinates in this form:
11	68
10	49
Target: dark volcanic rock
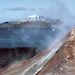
10	55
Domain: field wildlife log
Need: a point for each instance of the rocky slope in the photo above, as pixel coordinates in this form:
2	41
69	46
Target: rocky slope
63	62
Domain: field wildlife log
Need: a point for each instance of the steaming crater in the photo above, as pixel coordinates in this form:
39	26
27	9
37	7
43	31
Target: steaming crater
39	33
28	37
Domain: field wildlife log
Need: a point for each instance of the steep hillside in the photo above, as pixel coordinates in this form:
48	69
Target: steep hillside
63	62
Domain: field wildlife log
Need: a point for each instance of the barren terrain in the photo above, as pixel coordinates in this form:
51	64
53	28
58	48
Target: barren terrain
62	63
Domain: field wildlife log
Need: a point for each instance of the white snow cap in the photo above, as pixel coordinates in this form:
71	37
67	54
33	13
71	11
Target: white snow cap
35	18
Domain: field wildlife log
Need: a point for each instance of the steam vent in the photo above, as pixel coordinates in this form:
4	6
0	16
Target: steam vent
34	46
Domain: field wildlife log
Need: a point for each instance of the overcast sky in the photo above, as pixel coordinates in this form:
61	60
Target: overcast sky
19	9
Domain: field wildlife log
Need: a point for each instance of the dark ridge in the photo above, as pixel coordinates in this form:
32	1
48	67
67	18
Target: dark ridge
8	55
27	24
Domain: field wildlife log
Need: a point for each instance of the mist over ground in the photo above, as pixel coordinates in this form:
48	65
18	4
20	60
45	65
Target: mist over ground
15	10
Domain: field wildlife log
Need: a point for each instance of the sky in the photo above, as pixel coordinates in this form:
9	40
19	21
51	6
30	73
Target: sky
19	9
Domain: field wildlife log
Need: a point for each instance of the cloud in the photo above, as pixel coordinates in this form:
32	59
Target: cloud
22	9
33	9
16	9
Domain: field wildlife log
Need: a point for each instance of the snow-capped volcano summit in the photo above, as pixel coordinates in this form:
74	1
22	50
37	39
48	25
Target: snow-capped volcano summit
35	18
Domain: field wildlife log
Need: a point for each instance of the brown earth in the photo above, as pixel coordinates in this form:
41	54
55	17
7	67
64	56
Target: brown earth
63	63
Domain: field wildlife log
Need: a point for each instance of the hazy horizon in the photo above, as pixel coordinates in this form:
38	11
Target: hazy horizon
19	9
